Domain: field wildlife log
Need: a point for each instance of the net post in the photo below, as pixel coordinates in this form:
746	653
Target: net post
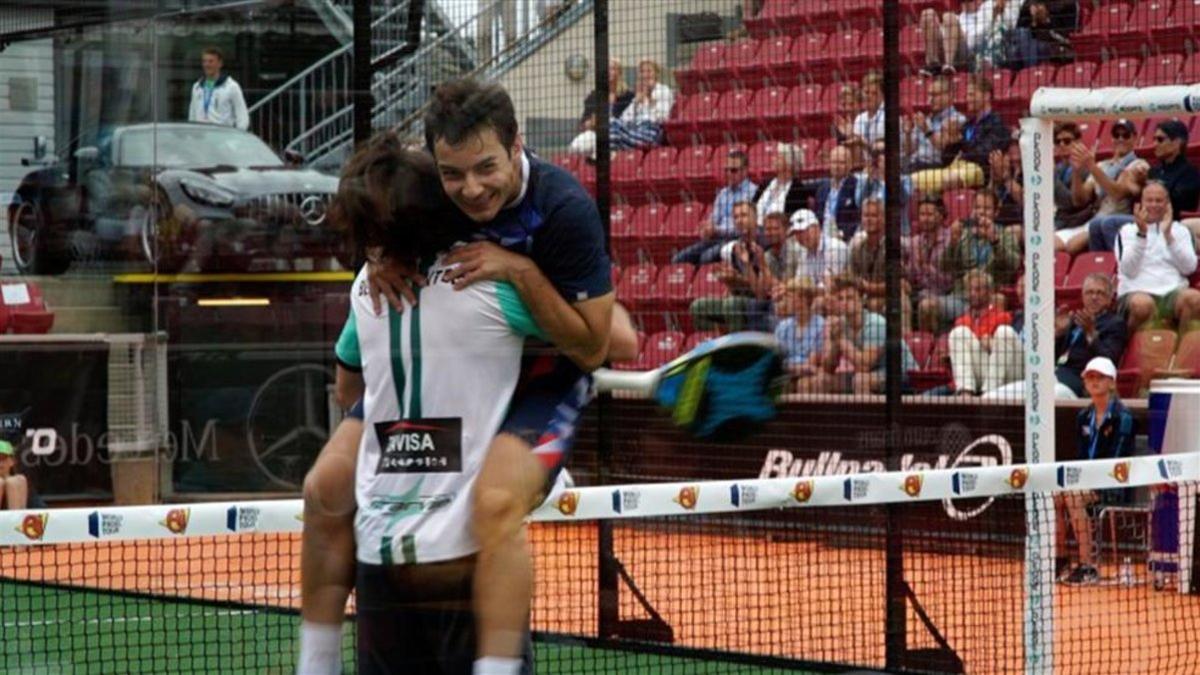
895	614
1037	158
608	577
363	100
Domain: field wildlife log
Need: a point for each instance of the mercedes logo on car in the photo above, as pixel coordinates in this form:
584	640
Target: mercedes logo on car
312	209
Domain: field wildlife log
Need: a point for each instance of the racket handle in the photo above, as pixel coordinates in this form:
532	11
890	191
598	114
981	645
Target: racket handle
613	380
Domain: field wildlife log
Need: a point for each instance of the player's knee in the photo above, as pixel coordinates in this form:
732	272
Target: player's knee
329	490
495	509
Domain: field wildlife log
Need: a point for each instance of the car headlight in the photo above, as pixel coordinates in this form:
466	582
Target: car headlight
213	195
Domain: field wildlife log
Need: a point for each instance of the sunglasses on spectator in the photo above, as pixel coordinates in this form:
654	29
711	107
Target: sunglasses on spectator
1122	134
1064	140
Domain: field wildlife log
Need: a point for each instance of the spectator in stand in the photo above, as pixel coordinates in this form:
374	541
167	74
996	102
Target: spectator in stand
14	488
1174	171
937	303
1155	256
852	358
862	131
619	98
867	256
872	182
837	196
849	107
958	41
985	351
217	98
1111	186
1106	431
1071	215
1006	182
749	272
818	257
1042	33
800	330
785	193
641	124
1083	334
721	228
923	136
970	144
977	243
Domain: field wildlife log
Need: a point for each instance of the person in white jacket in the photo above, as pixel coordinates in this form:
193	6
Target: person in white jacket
217	98
1156	255
641	125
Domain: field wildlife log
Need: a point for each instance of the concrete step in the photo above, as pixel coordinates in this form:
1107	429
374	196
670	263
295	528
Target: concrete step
76	291
93	319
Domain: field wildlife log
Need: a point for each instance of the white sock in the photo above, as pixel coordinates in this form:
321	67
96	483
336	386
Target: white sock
495	665
320	649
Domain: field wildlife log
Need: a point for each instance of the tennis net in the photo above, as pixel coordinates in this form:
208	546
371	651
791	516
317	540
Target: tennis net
945	570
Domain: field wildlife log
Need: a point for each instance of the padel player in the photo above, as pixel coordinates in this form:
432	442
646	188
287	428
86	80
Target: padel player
530	206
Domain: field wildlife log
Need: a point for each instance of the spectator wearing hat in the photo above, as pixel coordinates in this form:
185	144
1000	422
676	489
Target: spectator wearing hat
1092	331
785	192
933	287
800	329
1155	256
1173	170
1109	187
14	488
818	257
1105	431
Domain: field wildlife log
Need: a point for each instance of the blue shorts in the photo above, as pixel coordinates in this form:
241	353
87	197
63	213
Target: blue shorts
545	408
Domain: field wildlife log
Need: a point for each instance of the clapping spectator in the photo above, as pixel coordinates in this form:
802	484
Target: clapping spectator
923	136
800	330
977	243
985	351
1173	170
818	256
1006	182
1042	33
619	98
1072	209
721	228
642	122
784	193
1111	185
748	271
867	127
937	303
1155	256
868	259
872	182
837	196
1083	334
959	40
970	144
849	106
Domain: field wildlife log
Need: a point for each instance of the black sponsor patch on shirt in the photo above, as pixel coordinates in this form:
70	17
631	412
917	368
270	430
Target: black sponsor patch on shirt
429	445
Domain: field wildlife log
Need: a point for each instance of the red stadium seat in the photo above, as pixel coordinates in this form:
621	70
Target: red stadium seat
914	94
628	180
813	104
935	373
858	10
914	8
746	65
1122	72
808	49
694	339
784	16
1062	265
1151	22
1078	74
694	166
912	46
737	115
958	204
841	51
1187	359
1107	20
622	233
920	343
636	289
660	348
682	226
770	109
1023	86
1002	80
26	308
775	54
705	69
706	284
1191	70
1096	262
1089	132
816	156
762	161
660	172
672	293
1147	352
648	225
1162	69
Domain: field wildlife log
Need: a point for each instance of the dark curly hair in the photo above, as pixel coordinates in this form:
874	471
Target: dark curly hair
391	199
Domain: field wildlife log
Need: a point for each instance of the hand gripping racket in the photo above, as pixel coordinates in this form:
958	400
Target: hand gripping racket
724	387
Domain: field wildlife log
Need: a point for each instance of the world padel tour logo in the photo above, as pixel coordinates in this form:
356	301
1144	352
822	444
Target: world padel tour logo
855	489
102	524
803	491
242	518
743	495
33	526
1120	472
1170	468
567	503
964	482
176	520
912	484
626	501
688	496
1069	476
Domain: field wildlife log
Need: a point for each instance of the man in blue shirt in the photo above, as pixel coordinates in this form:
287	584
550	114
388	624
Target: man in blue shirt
721	228
800	330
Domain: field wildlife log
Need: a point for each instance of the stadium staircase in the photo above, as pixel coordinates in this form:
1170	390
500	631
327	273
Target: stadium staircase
312	113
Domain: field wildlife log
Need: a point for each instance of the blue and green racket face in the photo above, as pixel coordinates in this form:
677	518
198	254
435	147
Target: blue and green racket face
725	387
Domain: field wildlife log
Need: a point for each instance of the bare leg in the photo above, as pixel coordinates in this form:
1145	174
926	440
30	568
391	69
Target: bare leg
510	483
952	35
1077	503
1141	309
1187	309
931	31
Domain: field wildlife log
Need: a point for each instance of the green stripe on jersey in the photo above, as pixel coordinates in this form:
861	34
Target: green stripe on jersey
347	349
414	343
516	313
408	549
395	324
385	550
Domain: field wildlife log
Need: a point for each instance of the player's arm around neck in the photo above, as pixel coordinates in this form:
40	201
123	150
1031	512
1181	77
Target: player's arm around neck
582	331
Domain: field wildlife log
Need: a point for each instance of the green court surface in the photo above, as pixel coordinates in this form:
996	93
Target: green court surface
56	630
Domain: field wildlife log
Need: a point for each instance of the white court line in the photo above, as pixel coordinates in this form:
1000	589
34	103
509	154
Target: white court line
126	619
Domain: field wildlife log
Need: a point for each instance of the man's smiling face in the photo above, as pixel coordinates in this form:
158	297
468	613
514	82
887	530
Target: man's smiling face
478	174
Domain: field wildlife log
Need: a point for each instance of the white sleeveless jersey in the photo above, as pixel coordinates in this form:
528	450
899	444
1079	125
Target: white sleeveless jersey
439	377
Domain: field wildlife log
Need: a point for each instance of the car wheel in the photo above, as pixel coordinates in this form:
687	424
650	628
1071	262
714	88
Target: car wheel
33	251
159	235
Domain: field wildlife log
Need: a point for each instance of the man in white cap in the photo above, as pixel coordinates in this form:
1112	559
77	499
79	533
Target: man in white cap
1106	431
813	255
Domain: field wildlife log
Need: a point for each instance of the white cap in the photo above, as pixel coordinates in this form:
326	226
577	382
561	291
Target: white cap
803	219
1102	365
